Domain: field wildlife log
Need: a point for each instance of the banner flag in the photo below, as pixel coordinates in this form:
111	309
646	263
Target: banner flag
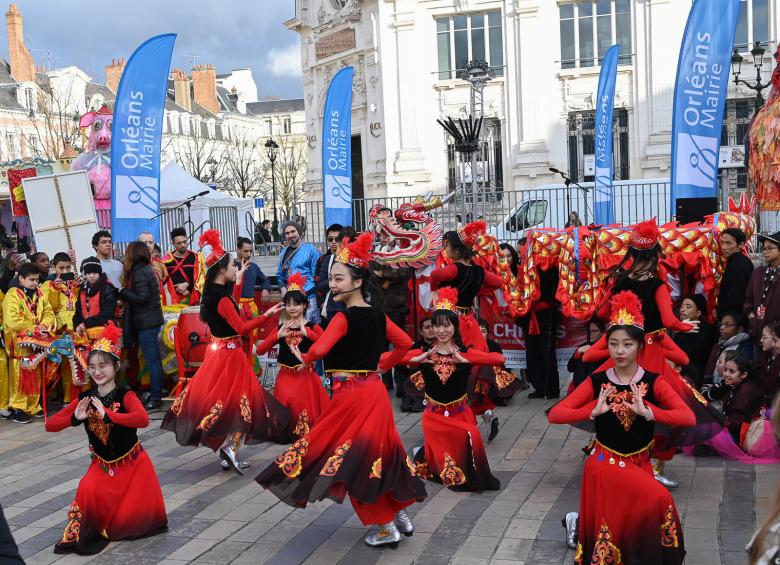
337	150
136	139
604	206
699	97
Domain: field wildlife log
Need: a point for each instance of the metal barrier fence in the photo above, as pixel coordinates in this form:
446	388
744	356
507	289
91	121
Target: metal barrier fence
509	214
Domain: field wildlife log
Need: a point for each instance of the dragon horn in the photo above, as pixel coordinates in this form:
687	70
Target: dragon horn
431	204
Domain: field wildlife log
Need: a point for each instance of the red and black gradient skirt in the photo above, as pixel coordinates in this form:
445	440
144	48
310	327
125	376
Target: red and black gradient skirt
300	390
116	500
470	332
453	452
224	398
491	382
626	516
353	450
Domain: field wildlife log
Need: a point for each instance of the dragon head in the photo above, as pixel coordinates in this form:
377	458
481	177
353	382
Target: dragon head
40	346
409	237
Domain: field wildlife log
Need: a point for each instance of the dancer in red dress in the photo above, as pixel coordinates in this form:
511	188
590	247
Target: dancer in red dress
298	385
625	515
641	278
453	452
470	280
354	449
120	496
224	402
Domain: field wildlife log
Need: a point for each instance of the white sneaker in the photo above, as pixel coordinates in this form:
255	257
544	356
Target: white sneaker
6	414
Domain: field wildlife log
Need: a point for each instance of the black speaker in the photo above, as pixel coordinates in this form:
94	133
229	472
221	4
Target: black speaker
689	210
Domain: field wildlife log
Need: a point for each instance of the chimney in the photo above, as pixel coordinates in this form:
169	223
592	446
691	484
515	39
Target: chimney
22	64
204	81
182	94
114	73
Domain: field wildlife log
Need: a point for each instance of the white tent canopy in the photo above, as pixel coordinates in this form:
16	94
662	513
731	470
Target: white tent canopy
216	209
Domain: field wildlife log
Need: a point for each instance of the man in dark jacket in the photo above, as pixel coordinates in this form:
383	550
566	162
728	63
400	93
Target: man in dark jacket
736	274
325	262
389	294
762	300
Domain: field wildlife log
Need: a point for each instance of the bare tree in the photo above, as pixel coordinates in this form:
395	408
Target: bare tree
289	170
201	157
244	168
52	124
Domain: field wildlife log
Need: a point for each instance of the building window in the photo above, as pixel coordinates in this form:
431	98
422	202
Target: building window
174	124
29	100
582	144
736	123
34	146
472	37
269	128
752	25
10	143
287	124
589	29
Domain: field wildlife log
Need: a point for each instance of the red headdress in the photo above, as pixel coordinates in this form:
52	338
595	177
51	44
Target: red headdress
296	281
447	299
213	239
357	253
645	235
109	341
626	310
470	232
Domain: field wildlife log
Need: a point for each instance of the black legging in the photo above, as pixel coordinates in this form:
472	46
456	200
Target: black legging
540	359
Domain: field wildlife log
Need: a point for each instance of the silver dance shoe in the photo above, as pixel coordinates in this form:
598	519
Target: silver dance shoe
227	467
571	523
387	534
658	473
491	421
229	455
404	523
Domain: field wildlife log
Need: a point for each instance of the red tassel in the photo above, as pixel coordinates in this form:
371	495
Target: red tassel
29	382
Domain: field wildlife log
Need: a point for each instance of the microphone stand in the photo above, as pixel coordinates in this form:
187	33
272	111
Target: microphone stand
188	203
568	181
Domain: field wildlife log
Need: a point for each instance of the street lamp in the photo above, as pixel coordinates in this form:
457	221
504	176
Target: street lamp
271	148
758	60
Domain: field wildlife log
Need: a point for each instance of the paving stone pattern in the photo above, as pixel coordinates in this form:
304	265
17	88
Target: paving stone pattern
219	517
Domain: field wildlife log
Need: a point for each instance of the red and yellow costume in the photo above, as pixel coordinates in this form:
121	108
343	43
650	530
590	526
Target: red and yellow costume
453	453
119	497
190	269
6	390
167	292
25	311
63	297
626	516
354	449
224	400
298	385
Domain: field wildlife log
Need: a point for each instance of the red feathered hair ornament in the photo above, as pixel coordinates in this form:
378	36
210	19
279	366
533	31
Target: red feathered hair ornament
447	299
470	232
213	239
645	235
296	281
626	310
109	341
357	253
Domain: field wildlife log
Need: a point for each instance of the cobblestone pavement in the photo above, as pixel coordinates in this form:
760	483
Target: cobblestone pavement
219	517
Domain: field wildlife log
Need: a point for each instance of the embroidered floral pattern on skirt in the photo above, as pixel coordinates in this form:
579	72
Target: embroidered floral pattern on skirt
605	552
178	404
333	464
291	461
451	475
669	536
211	418
73	527
376	469
302	427
246	410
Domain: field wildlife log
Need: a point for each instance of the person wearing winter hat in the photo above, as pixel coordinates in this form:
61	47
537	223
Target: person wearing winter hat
301	257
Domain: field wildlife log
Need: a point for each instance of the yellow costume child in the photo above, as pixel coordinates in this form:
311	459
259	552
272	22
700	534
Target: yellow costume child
25	309
5	382
62	294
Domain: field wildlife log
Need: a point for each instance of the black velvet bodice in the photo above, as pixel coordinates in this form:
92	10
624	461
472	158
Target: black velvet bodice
645	290
454	386
108	440
623	431
209	310
365	341
468	282
286	356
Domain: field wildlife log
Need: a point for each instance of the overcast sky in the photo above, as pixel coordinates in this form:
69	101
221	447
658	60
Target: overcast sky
229	34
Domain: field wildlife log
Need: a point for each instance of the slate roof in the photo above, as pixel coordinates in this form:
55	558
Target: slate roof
275	106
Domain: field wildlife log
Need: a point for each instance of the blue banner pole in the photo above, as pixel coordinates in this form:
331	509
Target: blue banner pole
604	212
337	150
699	98
136	139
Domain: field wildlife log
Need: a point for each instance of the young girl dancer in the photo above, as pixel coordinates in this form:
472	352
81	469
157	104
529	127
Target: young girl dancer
298	386
453	451
625	515
224	403
354	449
120	496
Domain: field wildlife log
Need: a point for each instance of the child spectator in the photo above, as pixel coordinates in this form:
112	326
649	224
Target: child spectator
733	337
62	292
576	366
697	345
